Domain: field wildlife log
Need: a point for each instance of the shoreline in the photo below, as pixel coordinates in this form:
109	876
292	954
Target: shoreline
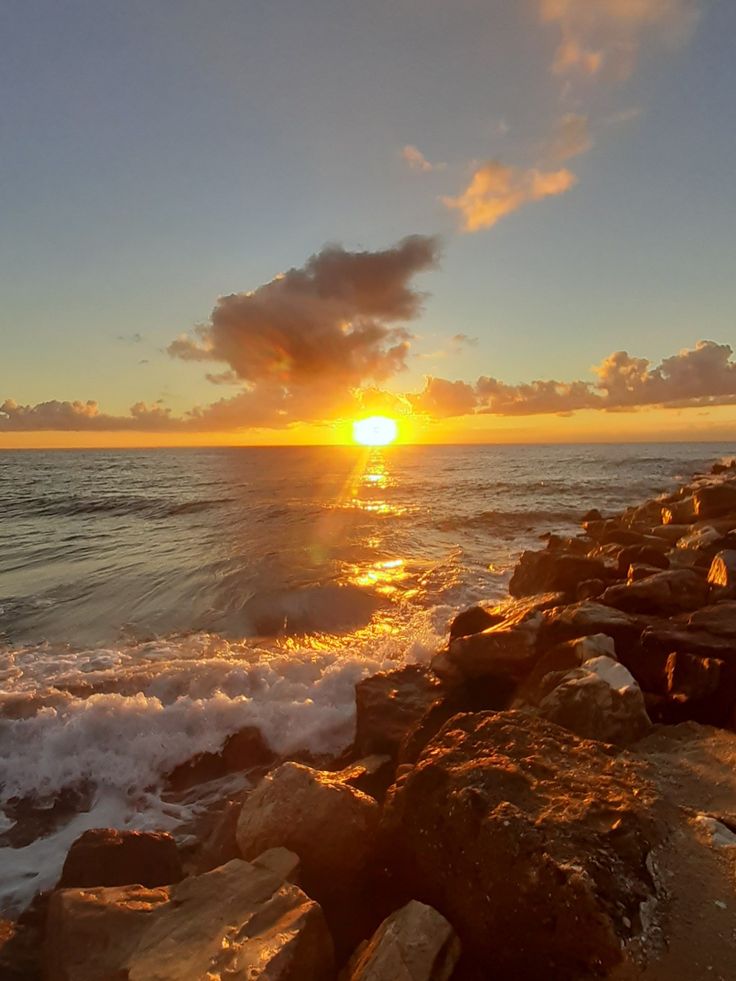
541	749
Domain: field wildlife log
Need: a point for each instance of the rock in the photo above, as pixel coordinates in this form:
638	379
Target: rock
532	842
637	571
330	825
547	571
240	920
472	621
507	650
722	575
719	619
715	500
700	538
702	688
590	589
665	593
580	619
681	512
416	943
244	750
389	705
644	554
665	638
599	700
593	515
20	958
372	775
670	533
105	857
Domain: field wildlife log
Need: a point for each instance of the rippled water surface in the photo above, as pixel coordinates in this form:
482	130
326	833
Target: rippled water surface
153	602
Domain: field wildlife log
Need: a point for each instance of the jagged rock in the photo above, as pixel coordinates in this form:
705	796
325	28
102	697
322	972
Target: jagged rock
548	571
240	920
389	705
715	500
532	842
106	857
243	750
20	955
416	943
506	650
593	515
670	533
580	619
330	825
472	621
641	554
667	637
722	574
664	593
372	775
700	538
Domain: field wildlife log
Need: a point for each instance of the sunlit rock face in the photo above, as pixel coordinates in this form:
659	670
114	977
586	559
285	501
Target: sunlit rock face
240	920
532	842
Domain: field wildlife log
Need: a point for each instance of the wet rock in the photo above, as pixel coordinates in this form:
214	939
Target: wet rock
667	592
106	857
330	825
641	554
722	575
545	572
593	515
372	775
240	920
532	842
416	943
580	619
715	500
389	705
472	621
244	750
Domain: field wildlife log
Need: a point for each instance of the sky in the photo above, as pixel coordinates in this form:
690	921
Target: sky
253	221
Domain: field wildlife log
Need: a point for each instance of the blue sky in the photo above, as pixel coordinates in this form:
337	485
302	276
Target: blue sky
158	155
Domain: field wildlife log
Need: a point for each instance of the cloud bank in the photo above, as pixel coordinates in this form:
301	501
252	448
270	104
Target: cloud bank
704	375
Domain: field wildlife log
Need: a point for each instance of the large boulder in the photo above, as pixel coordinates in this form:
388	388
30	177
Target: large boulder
718	618
507	650
390	704
715	500
106	857
662	594
330	825
531	841
240	920
243	750
598	700
472	621
416	943
722	574
552	571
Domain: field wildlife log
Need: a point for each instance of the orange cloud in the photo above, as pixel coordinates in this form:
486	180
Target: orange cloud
598	34
571	137
496	190
415	160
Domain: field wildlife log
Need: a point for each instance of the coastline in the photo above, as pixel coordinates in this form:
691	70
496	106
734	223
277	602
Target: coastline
544	789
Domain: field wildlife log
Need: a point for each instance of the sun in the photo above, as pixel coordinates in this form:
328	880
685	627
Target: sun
375	431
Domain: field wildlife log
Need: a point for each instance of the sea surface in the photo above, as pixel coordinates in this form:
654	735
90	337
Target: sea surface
152	602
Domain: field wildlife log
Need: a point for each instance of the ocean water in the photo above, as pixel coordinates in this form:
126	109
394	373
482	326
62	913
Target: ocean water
153	602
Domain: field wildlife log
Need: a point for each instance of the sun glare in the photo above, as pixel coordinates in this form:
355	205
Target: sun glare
375	431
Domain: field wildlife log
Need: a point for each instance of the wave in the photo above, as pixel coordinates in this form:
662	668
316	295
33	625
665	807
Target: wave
69	506
508	520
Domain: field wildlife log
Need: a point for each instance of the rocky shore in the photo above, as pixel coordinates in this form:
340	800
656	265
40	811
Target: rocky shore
552	797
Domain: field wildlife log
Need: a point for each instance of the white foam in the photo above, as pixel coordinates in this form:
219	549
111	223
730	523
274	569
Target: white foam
118	720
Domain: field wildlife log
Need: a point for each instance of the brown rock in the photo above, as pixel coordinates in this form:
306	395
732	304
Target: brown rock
719	619
472	621
580	619
507	650
548	571
715	501
644	554
330	826
665	593
668	637
243	750
681	512
106	857
240	920
532	842
702	688
416	943
722	575
389	705
590	589
372	775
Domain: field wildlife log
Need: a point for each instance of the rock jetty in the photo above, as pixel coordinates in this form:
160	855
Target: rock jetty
552	796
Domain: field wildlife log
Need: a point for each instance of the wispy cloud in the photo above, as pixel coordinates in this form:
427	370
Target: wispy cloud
416	161
496	190
570	138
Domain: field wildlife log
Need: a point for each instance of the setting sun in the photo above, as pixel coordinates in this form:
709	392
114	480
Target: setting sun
375	431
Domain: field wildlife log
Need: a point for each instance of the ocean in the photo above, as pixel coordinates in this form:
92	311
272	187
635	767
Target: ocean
152	602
